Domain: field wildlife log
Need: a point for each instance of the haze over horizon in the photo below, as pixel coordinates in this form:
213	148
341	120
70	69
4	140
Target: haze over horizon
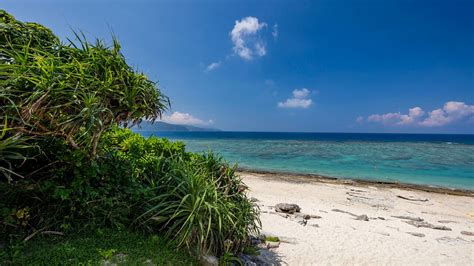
316	66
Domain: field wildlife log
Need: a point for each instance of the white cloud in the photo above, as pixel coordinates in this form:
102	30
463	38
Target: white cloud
299	100
185	119
360	119
213	66
244	33
451	112
275	31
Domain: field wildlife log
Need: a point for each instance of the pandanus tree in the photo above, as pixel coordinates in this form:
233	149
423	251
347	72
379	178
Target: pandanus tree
74	90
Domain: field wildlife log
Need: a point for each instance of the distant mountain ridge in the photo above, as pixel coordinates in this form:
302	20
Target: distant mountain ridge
163	126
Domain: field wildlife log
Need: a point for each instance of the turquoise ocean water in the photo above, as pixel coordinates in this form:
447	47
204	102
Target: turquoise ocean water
438	160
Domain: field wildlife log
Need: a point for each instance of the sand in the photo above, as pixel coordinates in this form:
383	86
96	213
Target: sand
339	238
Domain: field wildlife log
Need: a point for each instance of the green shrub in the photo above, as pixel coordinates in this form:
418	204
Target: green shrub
145	183
202	205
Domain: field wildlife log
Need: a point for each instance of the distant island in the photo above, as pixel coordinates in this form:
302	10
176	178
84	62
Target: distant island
163	126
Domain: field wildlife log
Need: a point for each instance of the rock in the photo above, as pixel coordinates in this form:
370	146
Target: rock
303	222
271	244
253	199
209	260
466	233
447	222
381	218
428	225
248	260
315	216
416	234
315	225
283	215
416	219
452	241
362	217
306	216
411	198
287	208
255	241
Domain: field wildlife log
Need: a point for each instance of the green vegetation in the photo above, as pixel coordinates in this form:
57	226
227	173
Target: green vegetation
272	239
122	247
68	165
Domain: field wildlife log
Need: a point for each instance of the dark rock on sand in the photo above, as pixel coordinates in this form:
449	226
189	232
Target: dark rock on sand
287	208
362	217
411	198
415	219
416	234
467	233
428	225
303	222
253	199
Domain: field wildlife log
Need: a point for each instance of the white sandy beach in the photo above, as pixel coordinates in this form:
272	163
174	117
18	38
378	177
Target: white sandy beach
338	238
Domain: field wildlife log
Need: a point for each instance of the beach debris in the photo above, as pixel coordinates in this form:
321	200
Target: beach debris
356	195
381	218
287	208
307	216
452	241
303	222
358	190
411	198
346	212
416	219
416	234
264	257
447	222
428	225
253	199
209	260
467	233
271	244
362	217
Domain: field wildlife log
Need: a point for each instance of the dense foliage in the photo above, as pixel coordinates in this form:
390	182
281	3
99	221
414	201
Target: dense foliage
68	164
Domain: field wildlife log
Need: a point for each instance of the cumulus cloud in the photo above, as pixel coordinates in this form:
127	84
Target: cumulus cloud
213	66
245	38
300	99
449	113
185	119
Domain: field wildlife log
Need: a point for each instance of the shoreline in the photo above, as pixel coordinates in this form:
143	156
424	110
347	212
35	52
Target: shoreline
309	178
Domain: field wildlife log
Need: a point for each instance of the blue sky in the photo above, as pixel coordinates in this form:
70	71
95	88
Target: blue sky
317	66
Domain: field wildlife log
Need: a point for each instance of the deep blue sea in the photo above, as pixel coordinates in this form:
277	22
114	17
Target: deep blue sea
428	159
